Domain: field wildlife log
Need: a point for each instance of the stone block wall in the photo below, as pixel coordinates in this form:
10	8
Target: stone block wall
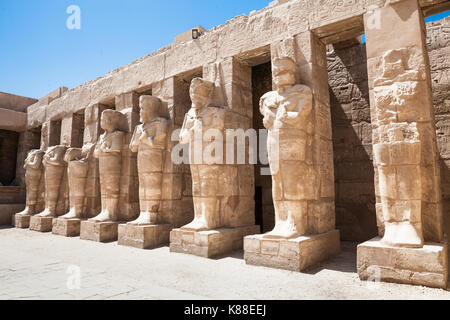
438	43
352	143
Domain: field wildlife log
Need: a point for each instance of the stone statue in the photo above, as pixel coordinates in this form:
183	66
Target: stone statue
109	152
33	174
207	178
55	167
397	151
150	141
78	165
286	114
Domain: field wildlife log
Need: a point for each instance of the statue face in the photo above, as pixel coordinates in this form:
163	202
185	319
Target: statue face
284	79
199	96
148	113
105	122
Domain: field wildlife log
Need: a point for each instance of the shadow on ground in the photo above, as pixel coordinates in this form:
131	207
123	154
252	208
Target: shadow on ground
344	262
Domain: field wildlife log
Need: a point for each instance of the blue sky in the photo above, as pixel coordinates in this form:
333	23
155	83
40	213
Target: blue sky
39	54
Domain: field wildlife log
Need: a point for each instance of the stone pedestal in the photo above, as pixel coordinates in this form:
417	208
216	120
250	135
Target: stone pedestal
21	221
209	244
66	227
99	231
41	224
424	266
144	237
293	254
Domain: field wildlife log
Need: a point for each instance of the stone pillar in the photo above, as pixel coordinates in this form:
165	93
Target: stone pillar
92	130
233	90
411	247
313	189
176	204
236	219
128	105
54	133
72	130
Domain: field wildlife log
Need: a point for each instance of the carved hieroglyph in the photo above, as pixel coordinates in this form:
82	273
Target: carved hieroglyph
208	180
33	174
77	171
150	141
286	118
55	167
109	152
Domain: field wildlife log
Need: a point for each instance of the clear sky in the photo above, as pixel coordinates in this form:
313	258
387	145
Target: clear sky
38	53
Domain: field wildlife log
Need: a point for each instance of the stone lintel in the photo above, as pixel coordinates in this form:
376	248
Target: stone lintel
41	224
427	266
66	228
99	231
209	244
144	237
293	254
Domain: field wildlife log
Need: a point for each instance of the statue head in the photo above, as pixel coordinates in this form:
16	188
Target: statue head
33	154
55	155
201	92
284	72
111	120
150	108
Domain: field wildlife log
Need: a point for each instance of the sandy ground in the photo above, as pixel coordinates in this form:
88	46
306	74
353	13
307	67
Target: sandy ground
43	266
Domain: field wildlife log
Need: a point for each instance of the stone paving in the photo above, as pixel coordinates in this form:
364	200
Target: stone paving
44	266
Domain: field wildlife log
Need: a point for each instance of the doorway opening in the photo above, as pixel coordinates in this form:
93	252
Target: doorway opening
264	208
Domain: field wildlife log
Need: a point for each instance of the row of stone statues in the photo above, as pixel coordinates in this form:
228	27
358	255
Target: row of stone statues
217	201
149	141
287	115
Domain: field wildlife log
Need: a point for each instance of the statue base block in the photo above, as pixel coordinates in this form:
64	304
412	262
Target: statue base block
209	244
99	231
41	224
21	221
291	254
66	227
427	266
144	237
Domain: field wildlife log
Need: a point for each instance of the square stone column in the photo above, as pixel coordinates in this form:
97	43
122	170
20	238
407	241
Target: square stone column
176	205
72	127
91	134
233	90
411	248
50	134
237	218
315	197
128	104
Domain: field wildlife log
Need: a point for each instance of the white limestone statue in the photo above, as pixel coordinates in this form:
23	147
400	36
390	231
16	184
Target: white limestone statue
150	141
286	114
77	171
208	180
33	174
55	167
109	152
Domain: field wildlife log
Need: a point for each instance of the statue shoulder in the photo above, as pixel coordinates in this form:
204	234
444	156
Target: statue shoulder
214	109
269	98
269	95
300	89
